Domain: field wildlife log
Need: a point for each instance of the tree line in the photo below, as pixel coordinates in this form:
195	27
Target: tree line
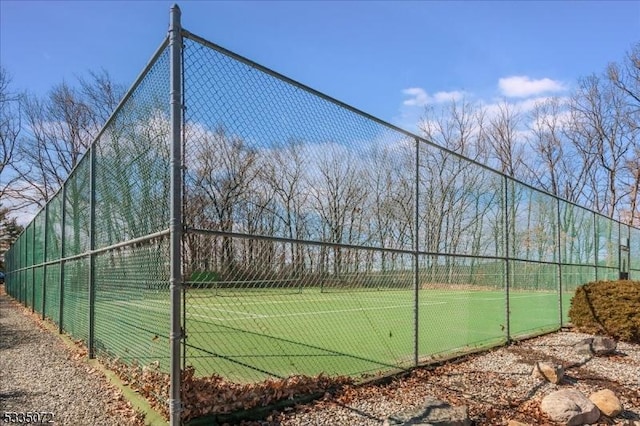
583	148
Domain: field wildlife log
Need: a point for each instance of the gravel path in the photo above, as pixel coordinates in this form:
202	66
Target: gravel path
38	373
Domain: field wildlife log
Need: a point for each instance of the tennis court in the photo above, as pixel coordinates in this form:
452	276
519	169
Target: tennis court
253	335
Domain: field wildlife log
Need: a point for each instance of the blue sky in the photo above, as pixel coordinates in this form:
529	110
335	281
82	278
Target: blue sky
387	58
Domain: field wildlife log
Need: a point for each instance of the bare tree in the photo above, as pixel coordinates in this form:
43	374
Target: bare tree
558	168
601	135
10	127
633	167
456	212
458	127
626	78
101	94
340	201
502	133
546	143
59	129
392	190
261	258
219	187
284	172
132	175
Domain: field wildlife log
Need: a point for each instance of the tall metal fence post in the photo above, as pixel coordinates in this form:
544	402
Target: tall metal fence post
507	270
619	249
25	271
45	248
62	254
628	252
175	284
33	269
25	258
416	263
19	264
92	256
19	289
18	274
559	236
596	242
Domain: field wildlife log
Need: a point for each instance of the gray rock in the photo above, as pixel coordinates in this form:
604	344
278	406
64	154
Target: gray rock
434	412
571	407
583	347
602	345
548	371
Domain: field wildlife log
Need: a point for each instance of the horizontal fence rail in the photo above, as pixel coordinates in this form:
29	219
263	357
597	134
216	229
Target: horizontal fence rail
312	238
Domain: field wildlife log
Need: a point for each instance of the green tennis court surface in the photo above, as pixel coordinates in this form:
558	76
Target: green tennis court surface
251	336
247	335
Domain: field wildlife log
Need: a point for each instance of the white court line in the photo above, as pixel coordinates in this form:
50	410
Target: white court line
294	299
312	313
440	297
302	299
127	302
502	297
249	315
230	311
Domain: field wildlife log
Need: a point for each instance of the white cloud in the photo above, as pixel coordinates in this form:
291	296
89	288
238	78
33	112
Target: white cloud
523	107
520	94
454	95
522	86
419	97
529	104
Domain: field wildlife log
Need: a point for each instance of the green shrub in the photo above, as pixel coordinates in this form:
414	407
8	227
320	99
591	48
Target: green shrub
611	308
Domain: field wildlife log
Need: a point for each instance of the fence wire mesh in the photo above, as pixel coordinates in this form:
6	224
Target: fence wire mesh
317	239
132	303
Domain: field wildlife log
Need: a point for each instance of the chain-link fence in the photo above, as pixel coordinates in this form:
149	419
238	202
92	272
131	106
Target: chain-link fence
94	260
320	239
314	238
